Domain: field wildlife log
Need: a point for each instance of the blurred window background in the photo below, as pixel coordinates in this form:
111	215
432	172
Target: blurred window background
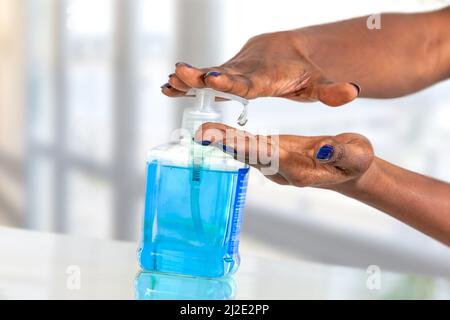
80	105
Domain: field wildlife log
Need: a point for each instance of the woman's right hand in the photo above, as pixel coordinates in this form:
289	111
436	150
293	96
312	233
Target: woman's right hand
269	65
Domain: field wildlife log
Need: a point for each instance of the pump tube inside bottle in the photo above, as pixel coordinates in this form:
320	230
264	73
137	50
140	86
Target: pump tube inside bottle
205	99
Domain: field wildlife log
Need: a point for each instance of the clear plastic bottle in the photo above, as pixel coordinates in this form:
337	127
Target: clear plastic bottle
194	201
160	286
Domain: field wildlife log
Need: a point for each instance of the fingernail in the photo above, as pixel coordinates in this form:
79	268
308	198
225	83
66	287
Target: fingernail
212	73
166	85
228	149
357	86
183	64
325	152
202	142
205	143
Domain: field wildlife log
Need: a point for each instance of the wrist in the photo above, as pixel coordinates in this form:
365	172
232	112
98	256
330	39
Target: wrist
445	39
439	44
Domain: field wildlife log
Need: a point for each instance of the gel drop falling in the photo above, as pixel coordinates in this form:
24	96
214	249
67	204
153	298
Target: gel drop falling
194	201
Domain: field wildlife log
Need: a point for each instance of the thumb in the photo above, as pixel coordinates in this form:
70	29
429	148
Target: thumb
350	152
336	94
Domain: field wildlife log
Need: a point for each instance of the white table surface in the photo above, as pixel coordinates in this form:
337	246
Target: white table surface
36	265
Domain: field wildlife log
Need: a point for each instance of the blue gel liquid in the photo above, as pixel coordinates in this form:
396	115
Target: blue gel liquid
192	220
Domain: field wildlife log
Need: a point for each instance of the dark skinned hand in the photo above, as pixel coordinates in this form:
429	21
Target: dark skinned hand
322	161
269	65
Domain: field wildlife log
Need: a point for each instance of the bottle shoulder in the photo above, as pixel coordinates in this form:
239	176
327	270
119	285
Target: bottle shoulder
188	153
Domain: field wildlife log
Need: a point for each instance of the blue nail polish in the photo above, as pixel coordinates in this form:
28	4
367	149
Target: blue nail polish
229	150
325	152
166	85
213	73
206	143
183	64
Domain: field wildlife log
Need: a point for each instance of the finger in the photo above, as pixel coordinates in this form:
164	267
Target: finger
176	83
350	152
299	144
232	83
168	90
219	78
255	150
211	133
337	94
189	75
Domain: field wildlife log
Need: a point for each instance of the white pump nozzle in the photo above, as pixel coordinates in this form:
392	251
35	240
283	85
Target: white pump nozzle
204	110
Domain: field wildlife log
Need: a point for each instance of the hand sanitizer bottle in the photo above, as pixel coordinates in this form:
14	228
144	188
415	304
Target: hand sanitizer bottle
194	200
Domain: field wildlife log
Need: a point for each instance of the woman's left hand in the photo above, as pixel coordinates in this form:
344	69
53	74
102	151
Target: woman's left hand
321	161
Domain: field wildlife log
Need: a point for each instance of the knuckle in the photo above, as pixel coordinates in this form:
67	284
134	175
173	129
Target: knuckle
180	70
359	141
256	38
173	82
282	154
211	132
359	152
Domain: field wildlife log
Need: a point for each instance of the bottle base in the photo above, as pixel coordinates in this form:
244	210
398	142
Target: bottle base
205	266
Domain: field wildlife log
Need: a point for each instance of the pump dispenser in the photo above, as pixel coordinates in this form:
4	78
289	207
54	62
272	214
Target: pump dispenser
194	199
204	110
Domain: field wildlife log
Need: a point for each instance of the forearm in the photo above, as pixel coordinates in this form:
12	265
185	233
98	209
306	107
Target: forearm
408	53
420	201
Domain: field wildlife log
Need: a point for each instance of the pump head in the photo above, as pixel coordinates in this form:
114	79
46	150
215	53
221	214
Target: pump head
204	110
